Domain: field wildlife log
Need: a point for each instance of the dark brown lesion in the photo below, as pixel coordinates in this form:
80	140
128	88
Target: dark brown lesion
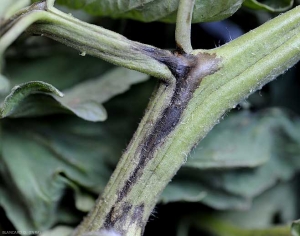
137	217
188	77
179	48
117	215
188	70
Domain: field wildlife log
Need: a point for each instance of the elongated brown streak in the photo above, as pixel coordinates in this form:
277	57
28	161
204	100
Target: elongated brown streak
188	70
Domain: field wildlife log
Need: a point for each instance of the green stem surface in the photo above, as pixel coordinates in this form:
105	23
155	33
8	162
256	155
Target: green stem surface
183	25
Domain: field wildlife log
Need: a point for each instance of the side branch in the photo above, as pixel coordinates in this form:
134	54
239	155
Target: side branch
89	39
183	26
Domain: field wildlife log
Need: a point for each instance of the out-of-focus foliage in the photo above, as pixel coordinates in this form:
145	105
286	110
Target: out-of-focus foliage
269	5
85	100
242	157
42	157
55	159
296	228
153	10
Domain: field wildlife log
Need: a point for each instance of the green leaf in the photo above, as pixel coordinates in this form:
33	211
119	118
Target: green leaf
267	151
57	69
4	85
35	166
295	228
266	207
150	10
41	158
58	230
269	5
84	100
229	142
11	104
190	190
258	220
38	200
83	201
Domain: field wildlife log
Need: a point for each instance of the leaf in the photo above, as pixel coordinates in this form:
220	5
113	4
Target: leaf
190	193
269	5
58	230
37	166
189	190
278	160
19	179
11	104
83	201
4	85
230	141
266	207
258	220
295	230
41	158
57	69
151	10
84	100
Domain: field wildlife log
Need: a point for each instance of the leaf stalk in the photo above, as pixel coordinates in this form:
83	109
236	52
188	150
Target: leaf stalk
183	26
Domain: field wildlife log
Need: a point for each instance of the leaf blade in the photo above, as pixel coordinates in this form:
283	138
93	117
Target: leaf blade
151	10
269	5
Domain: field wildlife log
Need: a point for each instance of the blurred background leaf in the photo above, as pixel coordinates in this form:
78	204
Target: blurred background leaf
245	173
296	228
258	220
226	165
150	10
58	230
269	5
43	157
36	98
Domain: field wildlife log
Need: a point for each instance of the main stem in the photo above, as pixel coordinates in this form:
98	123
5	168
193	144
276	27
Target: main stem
131	195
